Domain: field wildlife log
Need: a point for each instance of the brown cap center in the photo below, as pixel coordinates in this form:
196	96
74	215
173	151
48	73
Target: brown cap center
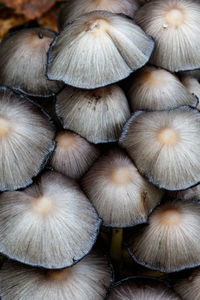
57	274
42	205
65	140
4	127
167	136
174	17
170	217
97	26
120	175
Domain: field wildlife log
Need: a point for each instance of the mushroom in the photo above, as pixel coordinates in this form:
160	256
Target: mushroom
170	241
193	86
73	154
157	89
174	25
97	115
26	140
139	288
192	193
188	288
165	146
23	59
89	279
97	49
121	196
50	224
75	8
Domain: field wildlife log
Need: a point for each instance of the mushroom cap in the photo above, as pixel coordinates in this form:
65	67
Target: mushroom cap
139	288
121	196
193	86
111	47
165	146
50	224
170	242
26	140
75	8
188	288
23	59
157	89
73	155
192	193
98	115
174	25
89	279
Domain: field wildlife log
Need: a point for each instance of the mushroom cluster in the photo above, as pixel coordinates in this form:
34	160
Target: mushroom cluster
99	146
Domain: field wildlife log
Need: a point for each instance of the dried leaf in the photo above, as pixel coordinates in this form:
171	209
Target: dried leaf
30	8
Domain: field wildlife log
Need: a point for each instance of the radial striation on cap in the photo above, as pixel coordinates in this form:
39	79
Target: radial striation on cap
23	59
50	224
174	25
73	155
171	240
26	140
75	8
88	279
98	115
165	146
157	89
97	49
139	288
121	196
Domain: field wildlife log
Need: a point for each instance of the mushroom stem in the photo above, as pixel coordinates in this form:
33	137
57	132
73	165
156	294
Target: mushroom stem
116	244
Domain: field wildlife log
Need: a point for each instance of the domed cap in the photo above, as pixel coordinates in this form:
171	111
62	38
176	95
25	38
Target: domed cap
171	240
189	288
75	8
97	49
157	89
141	289
121	196
73	154
174	25
23	59
165	146
89	279
26	140
50	224
98	115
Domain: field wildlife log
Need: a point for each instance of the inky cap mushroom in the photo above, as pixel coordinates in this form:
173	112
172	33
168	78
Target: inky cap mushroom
121	196
97	115
50	224
26	140
157	89
97	49
23	59
165	146
174	25
89	279
73	154
171	240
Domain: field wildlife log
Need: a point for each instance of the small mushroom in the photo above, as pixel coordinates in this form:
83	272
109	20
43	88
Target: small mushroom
174	25
98	115
26	140
50	224
89	279
75	8
139	288
170	241
189	288
157	89
97	49
23	59
73	154
121	196
165	146
193	86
